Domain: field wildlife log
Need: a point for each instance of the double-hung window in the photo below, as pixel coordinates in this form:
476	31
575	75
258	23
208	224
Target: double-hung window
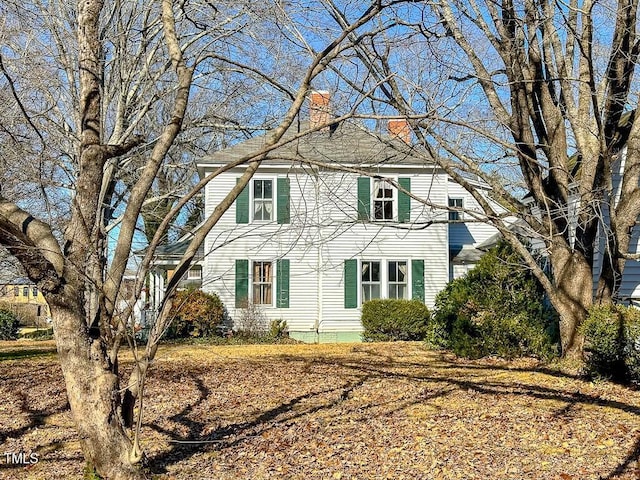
397	279
380	201
455	215
262	199
383	197
262	283
366	280
370	280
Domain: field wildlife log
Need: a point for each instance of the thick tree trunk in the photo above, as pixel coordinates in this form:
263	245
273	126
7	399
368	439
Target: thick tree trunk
93	390
572	298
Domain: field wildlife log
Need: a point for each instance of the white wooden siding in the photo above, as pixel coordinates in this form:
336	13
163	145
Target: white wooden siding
322	235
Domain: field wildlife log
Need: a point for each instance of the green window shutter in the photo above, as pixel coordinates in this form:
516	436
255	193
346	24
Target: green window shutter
351	283
242	205
417	280
282	283
283	200
404	201
364	198
242	283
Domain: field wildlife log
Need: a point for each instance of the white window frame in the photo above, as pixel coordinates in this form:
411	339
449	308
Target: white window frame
397	283
370	283
455	215
394	199
194	274
253	283
384	277
252	199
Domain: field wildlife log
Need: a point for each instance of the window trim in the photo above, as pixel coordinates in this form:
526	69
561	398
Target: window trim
252	284
397	283
384	277
191	271
370	283
274	199
394	199
455	215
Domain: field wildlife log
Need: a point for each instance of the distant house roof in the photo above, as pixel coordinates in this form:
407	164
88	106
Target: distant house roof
347	144
172	252
8	280
464	254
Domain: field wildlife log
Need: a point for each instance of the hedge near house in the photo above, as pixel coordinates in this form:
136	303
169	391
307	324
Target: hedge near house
388	320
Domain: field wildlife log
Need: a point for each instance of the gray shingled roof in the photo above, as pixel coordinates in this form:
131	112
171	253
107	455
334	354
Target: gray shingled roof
177	249
8	279
347	144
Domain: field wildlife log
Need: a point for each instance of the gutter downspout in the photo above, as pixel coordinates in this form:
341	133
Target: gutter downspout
319	257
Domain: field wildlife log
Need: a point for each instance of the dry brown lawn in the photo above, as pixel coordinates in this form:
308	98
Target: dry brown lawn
357	411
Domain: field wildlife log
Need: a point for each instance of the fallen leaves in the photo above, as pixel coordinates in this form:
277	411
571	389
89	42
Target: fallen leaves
367	411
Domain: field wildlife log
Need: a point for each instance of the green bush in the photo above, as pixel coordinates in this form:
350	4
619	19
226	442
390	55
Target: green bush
195	314
9	325
394	319
496	309
612	343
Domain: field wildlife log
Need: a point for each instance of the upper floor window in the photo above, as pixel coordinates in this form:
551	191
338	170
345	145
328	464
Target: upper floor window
380	200
25	291
34	291
16	291
383	208
263	199
455	215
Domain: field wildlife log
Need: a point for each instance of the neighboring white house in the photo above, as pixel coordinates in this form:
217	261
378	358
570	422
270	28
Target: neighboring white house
308	243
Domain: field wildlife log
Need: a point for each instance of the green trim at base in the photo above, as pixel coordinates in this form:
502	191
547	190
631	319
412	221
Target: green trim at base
327	337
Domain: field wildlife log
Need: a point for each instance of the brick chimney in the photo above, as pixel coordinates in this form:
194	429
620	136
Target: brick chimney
399	127
319	113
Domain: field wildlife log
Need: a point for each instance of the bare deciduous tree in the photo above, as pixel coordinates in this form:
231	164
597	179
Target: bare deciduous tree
129	73
538	100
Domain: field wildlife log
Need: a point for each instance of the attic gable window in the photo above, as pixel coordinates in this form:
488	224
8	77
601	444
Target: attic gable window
383	200
262	199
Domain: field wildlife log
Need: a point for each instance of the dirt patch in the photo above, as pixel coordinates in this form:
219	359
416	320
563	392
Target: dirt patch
366	411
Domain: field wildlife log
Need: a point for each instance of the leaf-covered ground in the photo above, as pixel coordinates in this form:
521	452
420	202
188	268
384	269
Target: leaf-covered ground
365	411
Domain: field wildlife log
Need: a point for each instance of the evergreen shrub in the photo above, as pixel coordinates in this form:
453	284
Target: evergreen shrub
612	343
394	319
9	325
498	308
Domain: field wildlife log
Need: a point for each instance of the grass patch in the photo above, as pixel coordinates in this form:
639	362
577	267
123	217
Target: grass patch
316	412
26	353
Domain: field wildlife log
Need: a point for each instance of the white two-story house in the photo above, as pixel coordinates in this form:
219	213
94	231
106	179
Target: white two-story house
323	227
